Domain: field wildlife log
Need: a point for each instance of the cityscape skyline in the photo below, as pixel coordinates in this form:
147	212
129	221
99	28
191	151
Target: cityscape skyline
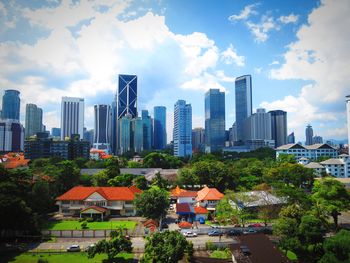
178	62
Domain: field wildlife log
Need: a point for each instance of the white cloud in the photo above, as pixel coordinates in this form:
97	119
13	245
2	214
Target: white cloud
258	70
275	62
230	56
261	30
223	78
204	82
289	19
245	13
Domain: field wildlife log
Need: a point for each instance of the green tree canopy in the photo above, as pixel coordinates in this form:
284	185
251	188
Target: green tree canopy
337	248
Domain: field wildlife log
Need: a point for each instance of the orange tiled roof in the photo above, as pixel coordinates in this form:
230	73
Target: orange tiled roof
109	193
200	210
176	191
185	224
97	208
187	194
134	189
209	194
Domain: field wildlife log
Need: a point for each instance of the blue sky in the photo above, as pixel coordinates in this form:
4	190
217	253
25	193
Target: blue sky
296	51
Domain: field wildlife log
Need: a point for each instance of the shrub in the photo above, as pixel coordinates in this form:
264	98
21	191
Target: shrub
90	219
210	246
42	260
84	225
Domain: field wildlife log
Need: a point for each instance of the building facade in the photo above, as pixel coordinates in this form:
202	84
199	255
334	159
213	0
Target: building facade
125	133
56	132
137	135
317	139
243	91
348	119
258	126
338	167
11	136
198	140
291	138
160	135
34	120
279	127
147	130
309	134
103	127
312	152
72	117
214	120
182	135
11	105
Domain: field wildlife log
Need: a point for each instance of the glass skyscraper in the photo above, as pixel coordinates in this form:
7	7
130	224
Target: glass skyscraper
103	121
159	127
182	134
147	130
11	105
279	127
243	91
214	120
137	134
125	133
309	133
34	120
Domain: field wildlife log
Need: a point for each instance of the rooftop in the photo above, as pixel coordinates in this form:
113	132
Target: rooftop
209	194
314	165
333	161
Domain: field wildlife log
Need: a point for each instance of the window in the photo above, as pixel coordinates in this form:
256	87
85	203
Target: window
65	202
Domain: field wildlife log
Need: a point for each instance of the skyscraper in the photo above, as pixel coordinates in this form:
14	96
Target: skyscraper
198	139
11	136
147	130
348	119
309	133
72	117
317	139
56	132
125	134
243	91
279	127
291	138
103	129
34	120
126	101
159	127
214	120
137	134
11	105
258	126
182	135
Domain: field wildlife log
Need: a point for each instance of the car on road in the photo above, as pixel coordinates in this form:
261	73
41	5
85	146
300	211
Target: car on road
73	248
189	234
255	225
249	231
245	250
234	232
214	233
89	247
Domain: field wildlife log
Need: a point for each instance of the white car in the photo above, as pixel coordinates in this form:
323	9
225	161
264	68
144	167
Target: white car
189	234
73	248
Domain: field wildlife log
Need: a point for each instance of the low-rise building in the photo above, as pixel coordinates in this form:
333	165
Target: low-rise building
312	152
318	168
208	198
13	160
98	202
338	167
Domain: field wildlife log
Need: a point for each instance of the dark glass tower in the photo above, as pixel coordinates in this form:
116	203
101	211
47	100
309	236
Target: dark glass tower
11	105
159	127
102	135
279	127
214	120
243	91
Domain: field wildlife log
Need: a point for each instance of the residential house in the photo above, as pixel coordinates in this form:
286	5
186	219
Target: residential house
208	198
98	202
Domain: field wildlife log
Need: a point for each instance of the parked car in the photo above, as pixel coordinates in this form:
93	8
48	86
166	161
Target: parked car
245	250
73	248
189	234
249	231
234	232
89	246
214	233
255	225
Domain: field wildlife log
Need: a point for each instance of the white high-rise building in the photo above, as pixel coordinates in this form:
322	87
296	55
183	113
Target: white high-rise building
72	117
182	134
348	115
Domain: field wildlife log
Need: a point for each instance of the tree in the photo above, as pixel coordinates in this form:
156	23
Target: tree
152	203
100	179
162	160
186	177
224	212
121	180
117	244
168	246
141	182
159	181
112	167
67	177
337	248
133	164
331	196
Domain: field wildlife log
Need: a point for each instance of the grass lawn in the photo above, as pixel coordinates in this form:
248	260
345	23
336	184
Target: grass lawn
64	257
220	254
73	225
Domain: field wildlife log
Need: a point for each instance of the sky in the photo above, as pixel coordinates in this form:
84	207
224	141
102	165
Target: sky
296	51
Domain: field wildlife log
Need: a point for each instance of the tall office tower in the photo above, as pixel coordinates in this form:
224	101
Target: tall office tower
56	132
72	117
233	134
159	137
214	120
89	136
291	138
11	136
147	130
137	134
34	120
279	127
182	135
317	139
103	127
126	99
258	126
114	128
243	91
198	139
309	133
348	119
125	134
11	105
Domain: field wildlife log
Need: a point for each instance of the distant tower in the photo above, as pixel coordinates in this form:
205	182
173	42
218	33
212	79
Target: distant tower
147	130
182	134
103	129
214	120
12	136
258	126
348	117
243	91
72	117
159	127
279	127
291	138
34	120
198	139
309	133
11	105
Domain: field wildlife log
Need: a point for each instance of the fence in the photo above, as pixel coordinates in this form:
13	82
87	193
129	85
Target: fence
77	233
